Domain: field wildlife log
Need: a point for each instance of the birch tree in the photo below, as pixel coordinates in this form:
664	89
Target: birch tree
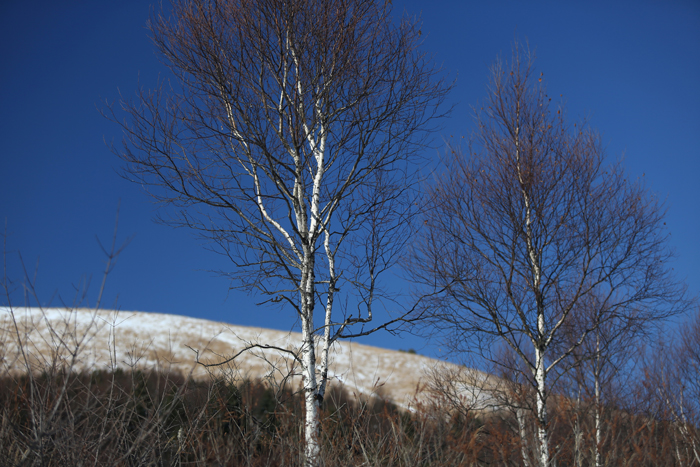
599	380
673	381
527	224
291	136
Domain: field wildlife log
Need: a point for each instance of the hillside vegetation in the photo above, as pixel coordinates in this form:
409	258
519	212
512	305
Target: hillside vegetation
114	389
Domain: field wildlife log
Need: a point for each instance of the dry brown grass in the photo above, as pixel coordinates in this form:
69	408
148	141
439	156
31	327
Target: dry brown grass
58	410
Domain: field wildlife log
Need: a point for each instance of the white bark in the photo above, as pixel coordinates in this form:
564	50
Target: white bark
540	340
578	433
540	379
522	427
311	402
598	423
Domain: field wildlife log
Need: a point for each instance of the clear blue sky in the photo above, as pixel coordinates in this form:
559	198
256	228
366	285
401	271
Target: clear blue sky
631	67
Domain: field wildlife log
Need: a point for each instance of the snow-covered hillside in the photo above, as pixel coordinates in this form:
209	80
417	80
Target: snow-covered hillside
125	339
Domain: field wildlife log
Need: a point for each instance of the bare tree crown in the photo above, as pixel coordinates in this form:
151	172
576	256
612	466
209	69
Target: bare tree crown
529	221
289	122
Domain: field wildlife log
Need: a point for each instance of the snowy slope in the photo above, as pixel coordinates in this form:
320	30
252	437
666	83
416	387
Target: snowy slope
109	339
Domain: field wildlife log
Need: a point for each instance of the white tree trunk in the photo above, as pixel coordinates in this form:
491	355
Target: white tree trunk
578	433
540	347
311	420
540	378
598	425
520	417
312	449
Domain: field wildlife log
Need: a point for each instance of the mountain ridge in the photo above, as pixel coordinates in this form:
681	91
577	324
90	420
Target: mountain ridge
110	339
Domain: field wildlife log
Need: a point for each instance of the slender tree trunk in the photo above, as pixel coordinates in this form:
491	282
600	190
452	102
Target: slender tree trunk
312	447
520	417
539	340
598	425
578	432
542	439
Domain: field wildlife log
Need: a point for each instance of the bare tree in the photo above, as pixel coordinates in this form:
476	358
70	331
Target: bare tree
673	380
291	139
527	225
604	367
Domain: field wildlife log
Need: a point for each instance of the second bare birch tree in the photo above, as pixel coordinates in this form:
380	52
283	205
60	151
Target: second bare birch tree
526	225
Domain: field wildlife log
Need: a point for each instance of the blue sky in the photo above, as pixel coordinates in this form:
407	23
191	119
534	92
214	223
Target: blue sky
630	67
